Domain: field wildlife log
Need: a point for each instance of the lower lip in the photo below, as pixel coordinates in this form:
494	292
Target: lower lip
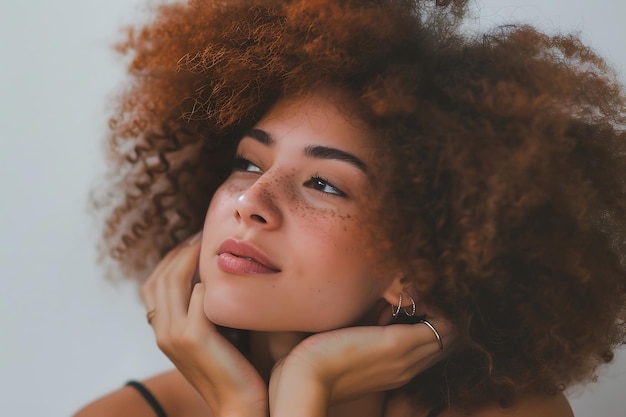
233	264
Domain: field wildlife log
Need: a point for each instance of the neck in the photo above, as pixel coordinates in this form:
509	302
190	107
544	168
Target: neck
269	348
281	343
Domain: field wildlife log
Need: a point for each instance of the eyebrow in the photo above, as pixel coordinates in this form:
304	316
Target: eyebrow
324	152
260	136
313	151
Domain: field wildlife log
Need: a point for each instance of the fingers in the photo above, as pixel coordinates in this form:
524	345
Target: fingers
413	348
173	286
435	332
197	320
424	343
167	290
356	360
220	373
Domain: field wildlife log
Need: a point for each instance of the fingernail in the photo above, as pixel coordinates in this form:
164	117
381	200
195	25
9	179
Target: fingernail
192	240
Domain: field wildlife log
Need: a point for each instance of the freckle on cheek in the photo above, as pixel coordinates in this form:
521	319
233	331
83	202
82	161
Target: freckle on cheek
233	189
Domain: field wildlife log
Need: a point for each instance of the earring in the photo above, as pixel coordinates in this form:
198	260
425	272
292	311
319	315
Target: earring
413	308
395	311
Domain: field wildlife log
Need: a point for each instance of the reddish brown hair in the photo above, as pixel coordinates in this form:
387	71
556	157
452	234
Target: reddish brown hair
507	162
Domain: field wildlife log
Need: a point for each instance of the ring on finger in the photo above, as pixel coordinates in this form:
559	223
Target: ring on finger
150	315
426	322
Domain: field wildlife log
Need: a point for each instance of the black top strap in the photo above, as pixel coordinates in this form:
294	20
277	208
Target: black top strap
147	395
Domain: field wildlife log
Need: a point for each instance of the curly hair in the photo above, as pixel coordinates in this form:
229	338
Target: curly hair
507	161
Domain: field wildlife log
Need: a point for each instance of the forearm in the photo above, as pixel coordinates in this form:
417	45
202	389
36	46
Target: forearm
294	391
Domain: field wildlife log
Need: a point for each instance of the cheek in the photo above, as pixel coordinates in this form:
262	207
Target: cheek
221	201
339	249
341	235
325	232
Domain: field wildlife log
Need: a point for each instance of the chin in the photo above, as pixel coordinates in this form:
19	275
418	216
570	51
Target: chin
222	317
222	311
262	324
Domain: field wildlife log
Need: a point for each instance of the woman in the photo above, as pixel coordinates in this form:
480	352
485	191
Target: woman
355	165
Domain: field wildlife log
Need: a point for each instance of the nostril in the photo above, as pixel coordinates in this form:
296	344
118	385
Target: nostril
258	218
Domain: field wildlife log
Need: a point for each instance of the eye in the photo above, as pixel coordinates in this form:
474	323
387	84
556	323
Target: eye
322	185
243	164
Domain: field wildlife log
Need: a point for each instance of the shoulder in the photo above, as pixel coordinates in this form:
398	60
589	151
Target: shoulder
174	394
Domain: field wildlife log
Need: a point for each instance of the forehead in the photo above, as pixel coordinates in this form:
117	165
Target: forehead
319	120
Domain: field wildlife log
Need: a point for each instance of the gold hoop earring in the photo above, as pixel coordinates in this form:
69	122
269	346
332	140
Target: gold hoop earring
395	311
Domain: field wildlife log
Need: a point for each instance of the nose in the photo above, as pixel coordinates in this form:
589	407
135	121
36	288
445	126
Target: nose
257	207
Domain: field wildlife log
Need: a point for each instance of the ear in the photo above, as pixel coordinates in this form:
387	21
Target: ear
393	291
396	287
392	295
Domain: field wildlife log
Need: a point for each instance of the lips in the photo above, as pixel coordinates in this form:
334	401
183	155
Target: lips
241	257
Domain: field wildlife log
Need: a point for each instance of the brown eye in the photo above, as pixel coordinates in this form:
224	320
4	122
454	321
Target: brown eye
242	164
322	185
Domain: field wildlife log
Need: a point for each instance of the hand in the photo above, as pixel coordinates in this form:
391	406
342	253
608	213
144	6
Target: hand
221	374
342	364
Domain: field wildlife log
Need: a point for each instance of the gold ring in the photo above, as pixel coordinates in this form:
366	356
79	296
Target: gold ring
426	322
150	315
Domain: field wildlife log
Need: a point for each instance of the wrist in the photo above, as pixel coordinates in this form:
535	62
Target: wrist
297	389
244	410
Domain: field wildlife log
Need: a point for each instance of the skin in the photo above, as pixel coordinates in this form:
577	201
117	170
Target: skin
308	214
300	194
322	375
311	230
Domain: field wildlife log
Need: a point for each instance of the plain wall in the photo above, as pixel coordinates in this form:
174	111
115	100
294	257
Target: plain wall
67	335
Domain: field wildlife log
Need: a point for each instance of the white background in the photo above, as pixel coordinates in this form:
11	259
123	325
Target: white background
66	335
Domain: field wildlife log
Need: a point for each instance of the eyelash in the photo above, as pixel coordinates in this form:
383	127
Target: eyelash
242	164
316	182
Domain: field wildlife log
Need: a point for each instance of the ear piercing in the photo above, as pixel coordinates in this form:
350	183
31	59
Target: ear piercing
395	311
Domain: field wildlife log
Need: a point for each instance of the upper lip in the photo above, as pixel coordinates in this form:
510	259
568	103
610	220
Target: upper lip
244	249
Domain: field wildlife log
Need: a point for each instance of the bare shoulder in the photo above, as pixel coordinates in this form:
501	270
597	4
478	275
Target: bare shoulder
177	397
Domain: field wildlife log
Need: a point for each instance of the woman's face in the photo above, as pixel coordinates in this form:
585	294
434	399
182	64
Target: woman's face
286	245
